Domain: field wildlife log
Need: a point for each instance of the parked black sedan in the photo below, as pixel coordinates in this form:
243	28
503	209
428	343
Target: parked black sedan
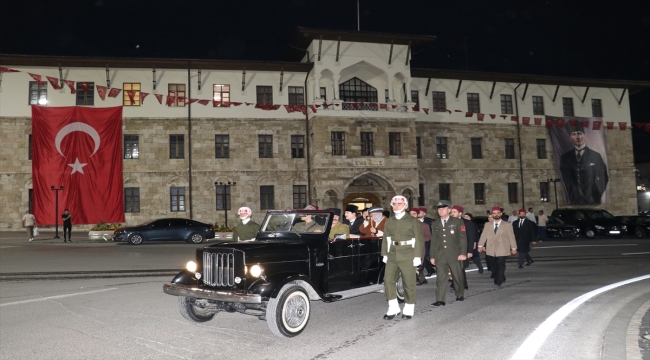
638	226
556	228
592	222
173	229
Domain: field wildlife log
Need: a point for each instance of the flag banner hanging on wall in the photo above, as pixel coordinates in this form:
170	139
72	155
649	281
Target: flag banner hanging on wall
78	148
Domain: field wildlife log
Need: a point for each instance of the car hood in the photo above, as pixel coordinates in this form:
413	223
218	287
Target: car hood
267	251
561	226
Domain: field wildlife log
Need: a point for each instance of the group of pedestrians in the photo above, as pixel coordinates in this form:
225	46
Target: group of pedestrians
29	223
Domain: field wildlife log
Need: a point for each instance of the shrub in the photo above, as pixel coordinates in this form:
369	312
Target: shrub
102	226
222	228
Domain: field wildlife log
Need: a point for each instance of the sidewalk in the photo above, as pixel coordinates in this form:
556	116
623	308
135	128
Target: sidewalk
45	236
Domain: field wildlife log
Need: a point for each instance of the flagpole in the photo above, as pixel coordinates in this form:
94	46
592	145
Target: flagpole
56	209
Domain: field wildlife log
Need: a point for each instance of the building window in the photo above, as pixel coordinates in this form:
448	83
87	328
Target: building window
265	146
418	147
266	197
395	143
297	146
415	97
265	95
223	197
596	108
439	102
220	94
506	104
367	144
338	143
356	90
421	198
441	147
299	196
85	97
510	148
538	105
132	146
126	100
477	152
177	199
541	148
178	91
176	146
567	106
37	93
296	95
131	199
543	192
479	193
473	104
29	147
30	196
222	146
444	192
512	193
323	94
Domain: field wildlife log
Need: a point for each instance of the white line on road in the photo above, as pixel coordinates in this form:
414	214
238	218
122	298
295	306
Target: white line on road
529	348
575	246
647	252
56	297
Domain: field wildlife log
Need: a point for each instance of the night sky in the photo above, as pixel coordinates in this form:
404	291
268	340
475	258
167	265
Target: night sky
591	39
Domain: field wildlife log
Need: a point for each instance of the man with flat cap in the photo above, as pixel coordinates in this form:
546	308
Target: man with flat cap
248	228
401	249
583	170
376	222
449	250
352	219
338	228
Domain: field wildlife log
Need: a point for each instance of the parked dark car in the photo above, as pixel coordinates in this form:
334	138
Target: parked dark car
592	222
173	229
277	275
556	228
638	226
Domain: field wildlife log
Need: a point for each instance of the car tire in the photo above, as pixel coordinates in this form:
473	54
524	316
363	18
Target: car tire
590	233
191	312
196	238
135	239
639	233
287	315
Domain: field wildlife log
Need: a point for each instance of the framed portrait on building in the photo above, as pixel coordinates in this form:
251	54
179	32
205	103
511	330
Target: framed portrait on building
580	158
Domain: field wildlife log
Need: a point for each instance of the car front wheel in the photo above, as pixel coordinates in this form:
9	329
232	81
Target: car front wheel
288	314
194	311
639	233
135	239
196	238
590	233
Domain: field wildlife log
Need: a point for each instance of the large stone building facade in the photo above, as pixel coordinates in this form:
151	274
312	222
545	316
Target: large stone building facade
369	138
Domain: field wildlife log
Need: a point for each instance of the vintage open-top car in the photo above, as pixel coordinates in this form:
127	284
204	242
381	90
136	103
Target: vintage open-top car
277	275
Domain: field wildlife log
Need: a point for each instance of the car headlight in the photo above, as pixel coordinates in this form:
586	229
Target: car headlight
577	229
191	266
624	227
599	227
256	271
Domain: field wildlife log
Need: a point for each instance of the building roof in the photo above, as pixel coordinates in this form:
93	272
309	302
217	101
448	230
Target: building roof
631	85
304	36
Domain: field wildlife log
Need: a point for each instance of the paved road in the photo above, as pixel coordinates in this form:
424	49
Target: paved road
128	317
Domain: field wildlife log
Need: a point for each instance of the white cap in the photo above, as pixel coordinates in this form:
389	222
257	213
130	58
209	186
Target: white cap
399	198
244	210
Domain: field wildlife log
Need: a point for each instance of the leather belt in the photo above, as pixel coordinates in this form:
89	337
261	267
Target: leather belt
408	242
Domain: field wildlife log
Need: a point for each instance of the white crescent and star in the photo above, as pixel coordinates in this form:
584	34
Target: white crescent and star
77	126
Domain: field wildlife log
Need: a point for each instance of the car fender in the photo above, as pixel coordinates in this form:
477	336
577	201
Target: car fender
185	277
270	287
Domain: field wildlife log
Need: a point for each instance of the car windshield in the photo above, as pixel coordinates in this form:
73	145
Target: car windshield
292	222
146	223
554	221
598	214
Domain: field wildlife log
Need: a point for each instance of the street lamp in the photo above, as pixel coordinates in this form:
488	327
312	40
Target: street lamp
224	196
554	181
56	209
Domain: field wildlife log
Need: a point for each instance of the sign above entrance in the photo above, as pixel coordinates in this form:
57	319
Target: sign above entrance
375	162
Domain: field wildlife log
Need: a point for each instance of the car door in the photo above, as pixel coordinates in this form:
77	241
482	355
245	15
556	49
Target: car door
178	229
157	230
366	260
341	259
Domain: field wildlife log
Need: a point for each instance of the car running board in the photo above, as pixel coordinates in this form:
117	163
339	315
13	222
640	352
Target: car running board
355	292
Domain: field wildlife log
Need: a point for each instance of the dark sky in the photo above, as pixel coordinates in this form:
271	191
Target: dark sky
593	39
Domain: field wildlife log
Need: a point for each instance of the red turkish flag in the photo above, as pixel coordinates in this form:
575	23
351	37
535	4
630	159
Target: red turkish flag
538	121
37	78
191	101
426	110
596	125
383	106
622	126
610	125
101	90
559	123
573	122
514	118
584	123
469	114
639	125
549	123
170	100
131	94
449	111
248	104
4	69
78	148
480	117
525	120
70	84
159	97
493	116
143	95
204	102
114	92
289	108
54	81
504	116
313	108
84	86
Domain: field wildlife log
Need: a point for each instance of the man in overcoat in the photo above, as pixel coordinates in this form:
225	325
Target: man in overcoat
501	243
525	234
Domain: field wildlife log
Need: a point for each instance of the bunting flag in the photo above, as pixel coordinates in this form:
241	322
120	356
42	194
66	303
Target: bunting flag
416	109
426	110
458	110
596	125
573	122
313	108
383	106
514	118
114	92
525	120
647	127
235	103
70	84
469	114
327	106
225	104
373	104
584	123
4	69
559	123
170	100
480	117
131	95
449	111
101	90
318	105
395	107
538	121
493	116
249	104
504	116
55	82
191	101
204	102
143	95
549	123
84	86
289	108
639	125
37	78
622	126
610	125
159	97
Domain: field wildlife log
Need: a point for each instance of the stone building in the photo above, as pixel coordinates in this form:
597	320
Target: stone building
379	128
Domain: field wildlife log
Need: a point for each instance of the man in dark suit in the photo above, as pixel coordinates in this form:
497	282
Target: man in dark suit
472	237
583	170
353	220
525	234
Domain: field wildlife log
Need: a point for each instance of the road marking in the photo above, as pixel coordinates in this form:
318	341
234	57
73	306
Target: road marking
647	252
56	297
575	246
433	276
529	348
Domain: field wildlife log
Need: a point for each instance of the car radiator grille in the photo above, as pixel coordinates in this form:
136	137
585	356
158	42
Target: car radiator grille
218	269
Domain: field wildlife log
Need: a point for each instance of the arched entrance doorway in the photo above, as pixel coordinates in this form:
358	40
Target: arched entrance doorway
361	200
368	190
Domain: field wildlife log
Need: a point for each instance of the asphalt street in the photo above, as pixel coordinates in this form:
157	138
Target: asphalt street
103	300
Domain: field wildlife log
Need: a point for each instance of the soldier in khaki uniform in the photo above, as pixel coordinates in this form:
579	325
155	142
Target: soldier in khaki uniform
338	228
401	249
248	228
307	224
448	250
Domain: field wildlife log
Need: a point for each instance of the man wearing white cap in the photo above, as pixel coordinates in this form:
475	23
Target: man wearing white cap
248	229
401	249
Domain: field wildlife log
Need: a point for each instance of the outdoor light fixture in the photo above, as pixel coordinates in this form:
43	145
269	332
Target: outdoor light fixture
554	181
56	209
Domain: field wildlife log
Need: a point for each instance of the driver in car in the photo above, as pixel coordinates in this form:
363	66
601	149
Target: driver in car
338	228
307	224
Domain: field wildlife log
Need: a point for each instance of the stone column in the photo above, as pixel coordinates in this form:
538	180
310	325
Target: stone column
317	93
407	83
335	81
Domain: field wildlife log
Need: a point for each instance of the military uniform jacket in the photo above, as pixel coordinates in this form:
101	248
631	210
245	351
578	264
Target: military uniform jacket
246	231
339	228
450	241
498	244
403	229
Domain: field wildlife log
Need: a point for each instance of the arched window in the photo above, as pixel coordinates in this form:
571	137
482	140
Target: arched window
357	91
